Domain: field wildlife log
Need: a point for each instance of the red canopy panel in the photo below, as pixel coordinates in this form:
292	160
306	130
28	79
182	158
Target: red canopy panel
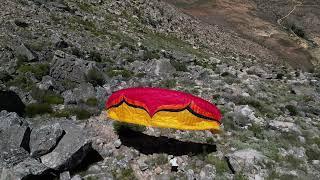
154	100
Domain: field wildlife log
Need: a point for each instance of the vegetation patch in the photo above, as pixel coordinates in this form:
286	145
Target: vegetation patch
120	72
38	70
38	109
122	126
22	81
124	174
168	83
95	77
160	159
220	164
46	96
80	113
92	101
179	66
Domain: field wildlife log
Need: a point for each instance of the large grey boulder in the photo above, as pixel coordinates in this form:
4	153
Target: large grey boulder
81	93
17	136
245	160
10	156
67	69
155	67
71	150
27	169
24	52
14	132
208	172
44	139
8	119
163	67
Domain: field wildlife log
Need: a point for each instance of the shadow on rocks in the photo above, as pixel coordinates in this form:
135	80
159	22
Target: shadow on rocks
149	144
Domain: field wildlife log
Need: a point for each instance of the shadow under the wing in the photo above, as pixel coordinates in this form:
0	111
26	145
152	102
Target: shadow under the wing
150	144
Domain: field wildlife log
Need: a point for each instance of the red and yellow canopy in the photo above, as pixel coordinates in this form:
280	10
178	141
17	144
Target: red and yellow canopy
163	108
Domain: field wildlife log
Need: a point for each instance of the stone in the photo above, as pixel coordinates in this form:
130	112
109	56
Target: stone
245	160
14	133
142	165
9	119
44	139
81	93
71	150
46	83
10	156
65	176
68	70
23	51
117	143
28	168
284	126
76	177
163	67
208	172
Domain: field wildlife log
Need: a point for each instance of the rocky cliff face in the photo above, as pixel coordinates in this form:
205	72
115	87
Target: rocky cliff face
61	59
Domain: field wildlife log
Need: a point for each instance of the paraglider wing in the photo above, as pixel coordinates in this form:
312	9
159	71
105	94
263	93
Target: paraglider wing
163	108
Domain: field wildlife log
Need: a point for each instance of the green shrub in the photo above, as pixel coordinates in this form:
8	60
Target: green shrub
124	174
128	45
95	56
257	130
220	164
160	159
179	66
168	83
120	71
240	176
21	59
312	153
35	109
38	70
292	110
148	55
92	101
122	126
22	81
80	113
46	96
95	77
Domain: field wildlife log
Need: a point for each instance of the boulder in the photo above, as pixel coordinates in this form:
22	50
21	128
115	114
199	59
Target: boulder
10	156
245	160
284	126
208	172
70	151
46	83
16	136
14	132
8	119
23	51
29	168
81	93
68	69
163	67
65	176
44	139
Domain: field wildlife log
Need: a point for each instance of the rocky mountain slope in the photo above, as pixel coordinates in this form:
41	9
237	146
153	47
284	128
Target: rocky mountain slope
61	59
289	28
